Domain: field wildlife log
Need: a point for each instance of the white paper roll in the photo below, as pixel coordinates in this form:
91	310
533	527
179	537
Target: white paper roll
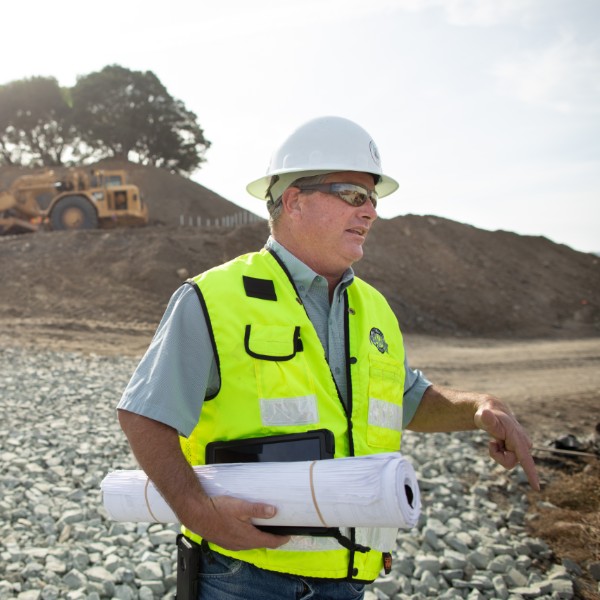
380	490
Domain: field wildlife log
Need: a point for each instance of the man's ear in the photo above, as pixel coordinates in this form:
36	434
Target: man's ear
291	201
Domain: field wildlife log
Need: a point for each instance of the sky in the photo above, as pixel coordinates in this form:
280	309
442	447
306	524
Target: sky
486	112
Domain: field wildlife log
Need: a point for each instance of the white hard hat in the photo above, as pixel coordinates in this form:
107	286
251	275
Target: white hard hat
320	146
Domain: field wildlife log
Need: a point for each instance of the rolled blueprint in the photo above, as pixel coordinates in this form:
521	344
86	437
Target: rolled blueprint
379	490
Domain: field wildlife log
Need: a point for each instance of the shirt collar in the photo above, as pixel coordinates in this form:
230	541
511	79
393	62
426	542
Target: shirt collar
302	275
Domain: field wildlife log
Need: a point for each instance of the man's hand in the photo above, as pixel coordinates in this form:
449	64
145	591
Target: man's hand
511	445
226	521
445	409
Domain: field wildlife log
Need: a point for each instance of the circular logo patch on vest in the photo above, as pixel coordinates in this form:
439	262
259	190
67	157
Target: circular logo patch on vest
377	339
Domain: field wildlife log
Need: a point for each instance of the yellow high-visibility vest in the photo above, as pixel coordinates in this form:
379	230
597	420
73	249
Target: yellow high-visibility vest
275	380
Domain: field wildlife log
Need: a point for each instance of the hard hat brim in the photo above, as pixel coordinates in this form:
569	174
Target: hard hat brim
259	187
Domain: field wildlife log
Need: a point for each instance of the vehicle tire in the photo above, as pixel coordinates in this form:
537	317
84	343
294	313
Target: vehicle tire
73	212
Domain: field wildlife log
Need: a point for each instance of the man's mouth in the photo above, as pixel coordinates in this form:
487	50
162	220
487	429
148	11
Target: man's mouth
362	231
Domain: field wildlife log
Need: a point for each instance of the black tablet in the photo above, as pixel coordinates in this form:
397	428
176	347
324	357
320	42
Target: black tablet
309	445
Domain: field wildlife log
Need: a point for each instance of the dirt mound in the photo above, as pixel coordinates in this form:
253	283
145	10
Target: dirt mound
444	277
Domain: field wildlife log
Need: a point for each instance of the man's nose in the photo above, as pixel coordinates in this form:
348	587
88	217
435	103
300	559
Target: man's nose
369	211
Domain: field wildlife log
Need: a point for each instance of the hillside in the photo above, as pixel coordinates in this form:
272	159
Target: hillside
441	277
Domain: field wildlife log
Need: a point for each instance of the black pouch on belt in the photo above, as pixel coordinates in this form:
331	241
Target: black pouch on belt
188	568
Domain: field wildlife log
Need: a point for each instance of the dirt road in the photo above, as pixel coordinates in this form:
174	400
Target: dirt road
553	386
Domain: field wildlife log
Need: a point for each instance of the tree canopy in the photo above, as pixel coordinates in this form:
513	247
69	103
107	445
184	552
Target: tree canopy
35	122
114	112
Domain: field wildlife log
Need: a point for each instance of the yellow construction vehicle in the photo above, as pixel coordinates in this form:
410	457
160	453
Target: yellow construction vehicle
78	199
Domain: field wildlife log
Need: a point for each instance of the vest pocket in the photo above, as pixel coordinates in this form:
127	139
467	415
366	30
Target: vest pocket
286	389
272	342
386	389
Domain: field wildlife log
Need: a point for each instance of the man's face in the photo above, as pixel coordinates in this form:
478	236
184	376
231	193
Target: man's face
332	230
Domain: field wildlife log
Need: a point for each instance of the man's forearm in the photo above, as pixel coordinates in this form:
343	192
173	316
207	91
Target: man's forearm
157	450
444	409
224	520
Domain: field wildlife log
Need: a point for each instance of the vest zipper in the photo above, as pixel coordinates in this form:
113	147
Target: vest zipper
348	372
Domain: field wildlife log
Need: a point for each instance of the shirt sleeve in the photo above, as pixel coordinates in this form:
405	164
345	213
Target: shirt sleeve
415	385
178	369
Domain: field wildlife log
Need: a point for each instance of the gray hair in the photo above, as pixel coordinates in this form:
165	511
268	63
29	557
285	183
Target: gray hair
275	206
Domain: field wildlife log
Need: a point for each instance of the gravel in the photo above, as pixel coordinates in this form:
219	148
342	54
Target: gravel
59	437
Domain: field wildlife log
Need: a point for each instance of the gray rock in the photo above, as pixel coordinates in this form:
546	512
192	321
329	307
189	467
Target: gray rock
499	549
162	537
558	572
500	588
563	588
533	591
74	579
501	563
32	570
124	575
572	567
388	585
594	570
80	559
29	595
429	563
55	565
481	557
454	560
99	575
451	574
516	516
145	593
50	592
72	516
157	587
450	594
148	571
431	537
523	563
429	580
515	578
125	592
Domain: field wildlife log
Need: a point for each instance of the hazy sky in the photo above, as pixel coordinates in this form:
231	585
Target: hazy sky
486	111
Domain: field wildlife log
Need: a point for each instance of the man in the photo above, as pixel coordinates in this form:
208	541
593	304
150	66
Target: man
287	340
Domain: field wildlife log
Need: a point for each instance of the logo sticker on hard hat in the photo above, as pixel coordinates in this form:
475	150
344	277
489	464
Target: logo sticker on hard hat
376	338
374	153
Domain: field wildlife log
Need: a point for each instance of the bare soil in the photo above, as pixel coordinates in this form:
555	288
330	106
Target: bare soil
515	316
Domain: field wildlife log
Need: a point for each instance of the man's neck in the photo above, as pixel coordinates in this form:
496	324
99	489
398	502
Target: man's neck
298	250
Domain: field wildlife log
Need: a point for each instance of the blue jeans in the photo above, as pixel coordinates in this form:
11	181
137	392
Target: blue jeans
225	578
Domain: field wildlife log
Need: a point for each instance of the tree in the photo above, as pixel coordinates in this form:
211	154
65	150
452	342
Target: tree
125	114
35	122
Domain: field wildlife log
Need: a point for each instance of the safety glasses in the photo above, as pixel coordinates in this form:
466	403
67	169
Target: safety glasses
355	195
